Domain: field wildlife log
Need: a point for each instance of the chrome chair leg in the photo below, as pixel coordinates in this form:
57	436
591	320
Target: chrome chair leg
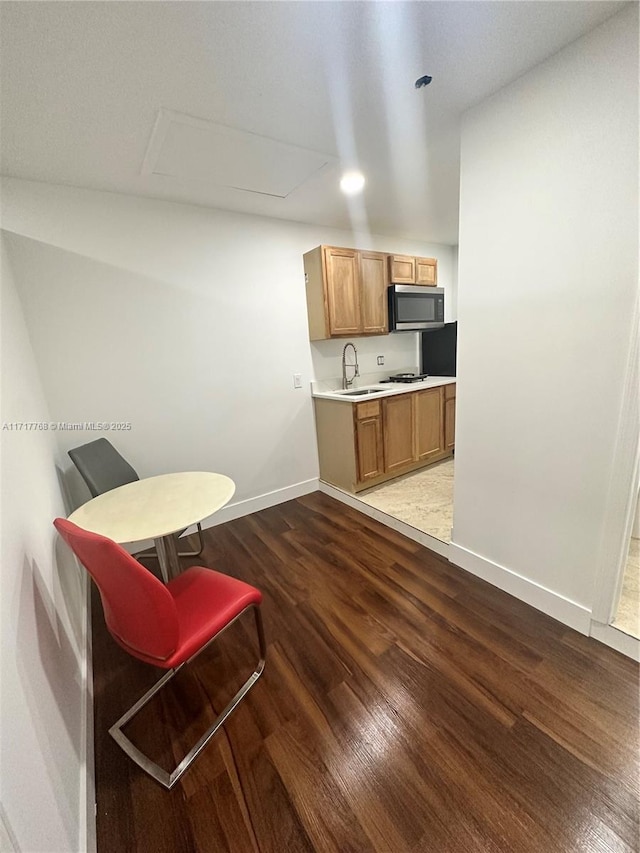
200	545
168	780
152	554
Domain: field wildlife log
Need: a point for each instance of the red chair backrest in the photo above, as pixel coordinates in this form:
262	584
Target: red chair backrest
138	608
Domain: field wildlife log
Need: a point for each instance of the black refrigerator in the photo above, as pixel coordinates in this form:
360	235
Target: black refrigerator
438	351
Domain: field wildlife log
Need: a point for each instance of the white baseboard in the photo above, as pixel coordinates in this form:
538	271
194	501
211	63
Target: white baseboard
549	602
616	639
552	603
437	545
246	507
87	800
239	509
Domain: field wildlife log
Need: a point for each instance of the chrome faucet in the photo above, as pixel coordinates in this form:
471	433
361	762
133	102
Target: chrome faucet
347	382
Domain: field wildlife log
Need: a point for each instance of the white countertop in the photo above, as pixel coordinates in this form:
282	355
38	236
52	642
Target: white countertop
386	389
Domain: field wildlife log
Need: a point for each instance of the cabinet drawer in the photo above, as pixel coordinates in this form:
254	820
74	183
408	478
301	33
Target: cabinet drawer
368	410
450	391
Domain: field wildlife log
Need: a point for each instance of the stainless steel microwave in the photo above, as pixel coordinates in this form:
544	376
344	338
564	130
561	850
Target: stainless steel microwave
413	308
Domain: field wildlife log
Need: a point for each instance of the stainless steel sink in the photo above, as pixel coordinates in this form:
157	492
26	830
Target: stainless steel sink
361	392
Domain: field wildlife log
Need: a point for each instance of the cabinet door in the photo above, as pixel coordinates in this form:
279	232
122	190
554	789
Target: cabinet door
450	422
373	293
427	271
402	269
342	290
429	423
369	448
398	431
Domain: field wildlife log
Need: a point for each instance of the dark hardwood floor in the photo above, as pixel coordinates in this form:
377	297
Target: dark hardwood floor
405	706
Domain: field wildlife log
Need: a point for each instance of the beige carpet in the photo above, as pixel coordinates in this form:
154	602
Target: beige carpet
628	615
423	499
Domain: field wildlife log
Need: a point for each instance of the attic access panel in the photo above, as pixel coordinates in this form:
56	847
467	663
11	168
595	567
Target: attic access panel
193	149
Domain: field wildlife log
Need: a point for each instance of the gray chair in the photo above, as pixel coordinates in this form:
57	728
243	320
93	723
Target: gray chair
103	468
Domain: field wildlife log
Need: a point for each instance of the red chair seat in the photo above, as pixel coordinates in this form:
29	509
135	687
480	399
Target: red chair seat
194	592
162	625
206	602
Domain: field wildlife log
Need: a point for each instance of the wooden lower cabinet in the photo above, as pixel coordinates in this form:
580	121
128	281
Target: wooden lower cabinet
398	432
368	441
363	444
429	424
450	417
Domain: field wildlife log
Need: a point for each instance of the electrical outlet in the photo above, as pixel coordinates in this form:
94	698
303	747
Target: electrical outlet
380	359
297	380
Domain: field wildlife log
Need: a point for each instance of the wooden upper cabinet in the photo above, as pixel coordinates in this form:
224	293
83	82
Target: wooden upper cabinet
373	293
427	271
343	292
398	431
402	269
429	423
346	292
347	289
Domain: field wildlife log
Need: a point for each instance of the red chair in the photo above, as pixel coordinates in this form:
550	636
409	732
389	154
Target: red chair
166	626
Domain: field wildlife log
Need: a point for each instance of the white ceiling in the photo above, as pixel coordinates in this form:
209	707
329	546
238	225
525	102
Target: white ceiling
83	84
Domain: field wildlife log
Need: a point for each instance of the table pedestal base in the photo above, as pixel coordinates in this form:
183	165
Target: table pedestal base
167	550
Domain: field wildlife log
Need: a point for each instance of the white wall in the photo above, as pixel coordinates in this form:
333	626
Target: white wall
42	738
548	280
187	322
453	295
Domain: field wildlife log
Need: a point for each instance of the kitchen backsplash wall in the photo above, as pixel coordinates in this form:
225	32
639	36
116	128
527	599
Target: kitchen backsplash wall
400	351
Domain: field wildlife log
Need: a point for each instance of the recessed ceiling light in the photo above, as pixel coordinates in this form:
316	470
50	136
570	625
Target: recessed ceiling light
352	183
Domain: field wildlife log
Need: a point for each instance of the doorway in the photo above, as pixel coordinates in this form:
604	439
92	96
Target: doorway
627	613
422	499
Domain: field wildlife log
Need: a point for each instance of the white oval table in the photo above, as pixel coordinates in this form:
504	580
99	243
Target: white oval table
156	508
